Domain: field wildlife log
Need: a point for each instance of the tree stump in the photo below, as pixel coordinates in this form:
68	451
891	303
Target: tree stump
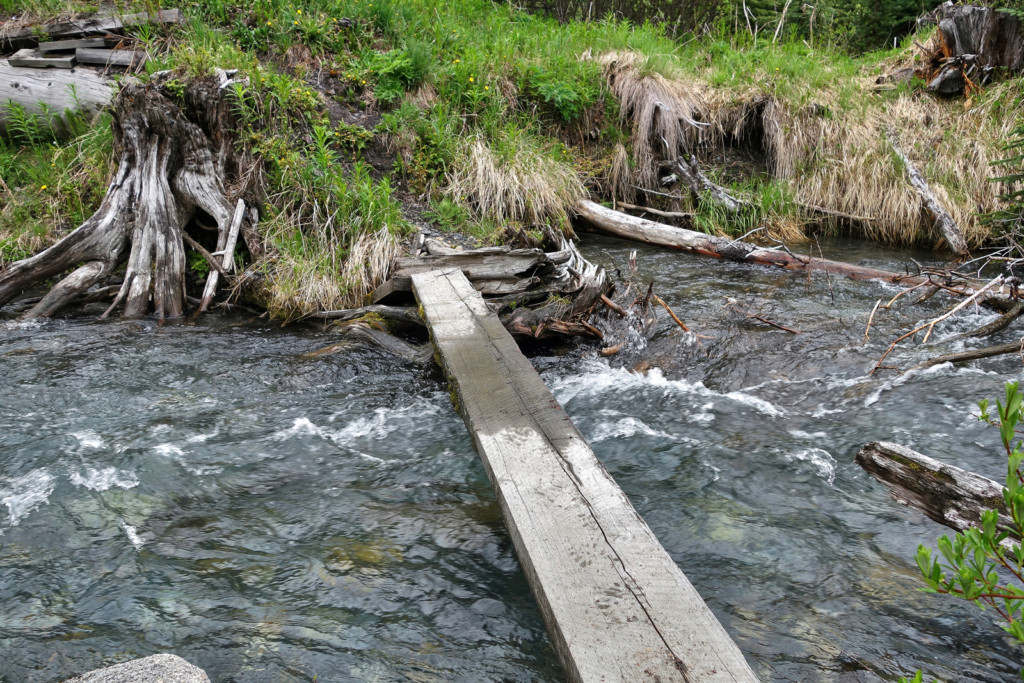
176	150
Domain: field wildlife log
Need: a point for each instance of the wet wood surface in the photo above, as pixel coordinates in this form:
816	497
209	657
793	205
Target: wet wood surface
947	494
616	605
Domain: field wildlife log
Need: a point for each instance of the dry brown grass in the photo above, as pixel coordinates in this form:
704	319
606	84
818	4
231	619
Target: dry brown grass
834	154
621	176
854	169
525	185
323	276
660	111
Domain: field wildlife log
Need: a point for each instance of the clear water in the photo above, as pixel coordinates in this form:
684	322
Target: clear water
211	491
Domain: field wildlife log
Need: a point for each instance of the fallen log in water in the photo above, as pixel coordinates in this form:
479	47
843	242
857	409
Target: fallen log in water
642	230
947	494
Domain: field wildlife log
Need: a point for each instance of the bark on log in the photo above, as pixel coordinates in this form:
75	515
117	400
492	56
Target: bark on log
55	91
174	160
952	233
949	495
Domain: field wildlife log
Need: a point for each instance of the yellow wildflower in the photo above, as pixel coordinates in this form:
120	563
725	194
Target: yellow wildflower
300	11
43	187
470	79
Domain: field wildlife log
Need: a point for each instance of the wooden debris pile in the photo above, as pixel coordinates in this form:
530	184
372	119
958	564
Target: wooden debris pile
97	40
537	294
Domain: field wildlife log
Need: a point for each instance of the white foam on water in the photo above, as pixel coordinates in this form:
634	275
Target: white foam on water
809	436
33	324
168	449
160	429
103	479
625	428
203	438
132	534
597	378
717	471
200	470
820	458
941	369
24	494
822	411
87	438
301	427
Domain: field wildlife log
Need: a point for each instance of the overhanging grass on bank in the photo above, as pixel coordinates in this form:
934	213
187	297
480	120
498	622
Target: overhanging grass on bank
500	119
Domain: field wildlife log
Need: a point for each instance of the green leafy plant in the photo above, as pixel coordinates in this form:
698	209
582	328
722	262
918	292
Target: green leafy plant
985	565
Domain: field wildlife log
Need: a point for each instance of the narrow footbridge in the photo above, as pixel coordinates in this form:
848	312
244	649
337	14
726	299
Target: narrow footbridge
615	604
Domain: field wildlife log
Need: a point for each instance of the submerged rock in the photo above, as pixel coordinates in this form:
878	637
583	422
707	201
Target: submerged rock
164	668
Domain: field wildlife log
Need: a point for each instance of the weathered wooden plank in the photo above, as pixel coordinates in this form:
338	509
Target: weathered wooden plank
89	26
88	55
79	89
37	59
62	45
615	603
477	264
949	495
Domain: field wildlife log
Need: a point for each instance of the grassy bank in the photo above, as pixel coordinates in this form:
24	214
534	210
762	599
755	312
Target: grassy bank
365	118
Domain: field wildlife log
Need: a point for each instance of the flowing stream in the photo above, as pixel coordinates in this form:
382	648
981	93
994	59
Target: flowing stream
208	489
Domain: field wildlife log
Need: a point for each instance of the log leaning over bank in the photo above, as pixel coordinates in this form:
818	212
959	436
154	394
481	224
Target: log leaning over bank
616	605
947	494
949	228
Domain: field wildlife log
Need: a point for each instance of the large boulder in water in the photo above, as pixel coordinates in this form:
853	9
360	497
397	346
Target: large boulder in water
152	669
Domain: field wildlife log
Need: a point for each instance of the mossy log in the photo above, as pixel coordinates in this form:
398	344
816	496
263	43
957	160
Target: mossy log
176	154
947	494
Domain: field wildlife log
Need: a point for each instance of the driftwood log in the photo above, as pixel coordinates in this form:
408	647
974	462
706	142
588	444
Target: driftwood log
948	495
699	184
176	153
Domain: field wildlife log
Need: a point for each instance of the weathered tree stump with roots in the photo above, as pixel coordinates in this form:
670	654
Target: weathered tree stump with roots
176	156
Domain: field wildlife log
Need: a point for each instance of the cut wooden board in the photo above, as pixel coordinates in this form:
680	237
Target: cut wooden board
126	58
616	605
37	59
58	89
61	45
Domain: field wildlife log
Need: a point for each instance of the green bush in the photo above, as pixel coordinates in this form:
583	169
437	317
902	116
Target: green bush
985	565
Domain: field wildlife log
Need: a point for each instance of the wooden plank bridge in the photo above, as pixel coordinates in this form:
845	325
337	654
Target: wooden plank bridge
616	605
